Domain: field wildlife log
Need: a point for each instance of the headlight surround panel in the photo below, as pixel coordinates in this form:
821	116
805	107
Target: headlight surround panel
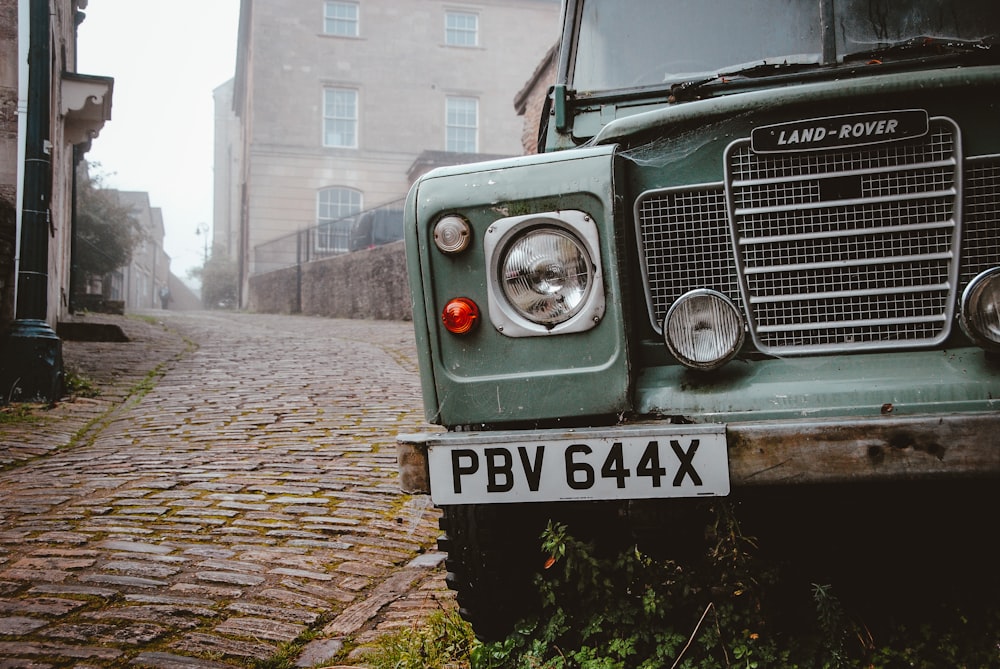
487	377
544	274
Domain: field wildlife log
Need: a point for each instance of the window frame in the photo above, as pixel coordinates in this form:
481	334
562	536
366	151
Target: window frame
452	33
456	144
331	18
333	230
331	117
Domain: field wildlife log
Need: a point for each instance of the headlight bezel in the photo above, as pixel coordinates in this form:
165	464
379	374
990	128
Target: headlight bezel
498	240
970	312
732	345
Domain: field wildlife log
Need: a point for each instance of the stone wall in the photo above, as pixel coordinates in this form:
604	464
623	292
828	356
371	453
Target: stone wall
369	284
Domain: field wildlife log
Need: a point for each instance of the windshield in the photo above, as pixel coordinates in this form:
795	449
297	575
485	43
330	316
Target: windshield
657	41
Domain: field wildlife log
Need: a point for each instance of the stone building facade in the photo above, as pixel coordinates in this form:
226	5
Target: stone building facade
149	270
49	114
77	105
335	101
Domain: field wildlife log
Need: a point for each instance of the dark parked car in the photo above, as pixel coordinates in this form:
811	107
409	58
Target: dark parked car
377	227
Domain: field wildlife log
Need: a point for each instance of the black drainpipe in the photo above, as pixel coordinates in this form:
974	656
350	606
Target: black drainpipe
32	367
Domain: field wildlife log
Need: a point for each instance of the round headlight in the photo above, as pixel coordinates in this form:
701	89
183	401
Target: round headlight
981	309
703	329
546	275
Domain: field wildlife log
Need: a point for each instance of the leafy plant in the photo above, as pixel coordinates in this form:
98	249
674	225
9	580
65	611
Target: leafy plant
727	607
106	231
80	386
724	609
632	610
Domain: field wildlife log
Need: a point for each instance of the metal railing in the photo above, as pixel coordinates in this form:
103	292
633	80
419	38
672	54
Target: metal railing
327	239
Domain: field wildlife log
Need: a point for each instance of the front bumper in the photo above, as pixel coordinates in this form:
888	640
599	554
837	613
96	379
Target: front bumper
832	450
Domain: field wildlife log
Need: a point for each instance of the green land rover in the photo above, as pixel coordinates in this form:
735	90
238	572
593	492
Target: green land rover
759	248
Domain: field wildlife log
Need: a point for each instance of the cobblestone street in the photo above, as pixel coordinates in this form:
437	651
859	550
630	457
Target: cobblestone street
229	495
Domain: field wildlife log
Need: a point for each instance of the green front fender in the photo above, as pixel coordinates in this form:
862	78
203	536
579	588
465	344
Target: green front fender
487	377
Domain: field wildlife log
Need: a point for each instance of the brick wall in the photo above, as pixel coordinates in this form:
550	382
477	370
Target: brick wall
368	284
533	101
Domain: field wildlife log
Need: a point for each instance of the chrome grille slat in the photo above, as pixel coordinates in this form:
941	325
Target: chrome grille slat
894	169
793	297
850	324
799	206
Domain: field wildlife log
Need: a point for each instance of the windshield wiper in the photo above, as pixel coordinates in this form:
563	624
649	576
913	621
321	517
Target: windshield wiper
922	47
690	90
916	48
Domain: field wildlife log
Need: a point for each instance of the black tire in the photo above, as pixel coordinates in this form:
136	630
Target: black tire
494	553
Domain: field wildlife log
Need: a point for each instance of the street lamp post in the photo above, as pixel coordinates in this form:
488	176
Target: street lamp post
203	230
31	366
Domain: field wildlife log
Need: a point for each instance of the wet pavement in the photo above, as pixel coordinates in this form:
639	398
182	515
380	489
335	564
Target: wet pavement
229	497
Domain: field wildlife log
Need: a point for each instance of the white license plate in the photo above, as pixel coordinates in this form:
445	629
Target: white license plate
684	461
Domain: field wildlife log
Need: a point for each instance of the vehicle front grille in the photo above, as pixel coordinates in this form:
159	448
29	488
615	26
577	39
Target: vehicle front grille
834	250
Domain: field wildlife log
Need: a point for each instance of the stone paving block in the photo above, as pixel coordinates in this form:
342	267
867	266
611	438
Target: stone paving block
158	660
356	615
45	606
209	644
260	628
301	573
118	579
291	597
169	600
135	547
134	634
23	663
234	578
328	593
177	616
58	563
17	625
137	568
296	615
319	651
368	569
68	589
206	590
12	649
230	565
61	538
33	575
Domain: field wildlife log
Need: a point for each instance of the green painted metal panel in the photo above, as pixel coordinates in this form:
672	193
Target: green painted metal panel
898	384
487	377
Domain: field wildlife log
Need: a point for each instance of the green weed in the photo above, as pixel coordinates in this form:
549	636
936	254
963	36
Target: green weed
18	412
80	386
444	642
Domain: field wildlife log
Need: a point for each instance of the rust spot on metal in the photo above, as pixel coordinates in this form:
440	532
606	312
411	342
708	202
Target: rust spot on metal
887	408
902	440
876	455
